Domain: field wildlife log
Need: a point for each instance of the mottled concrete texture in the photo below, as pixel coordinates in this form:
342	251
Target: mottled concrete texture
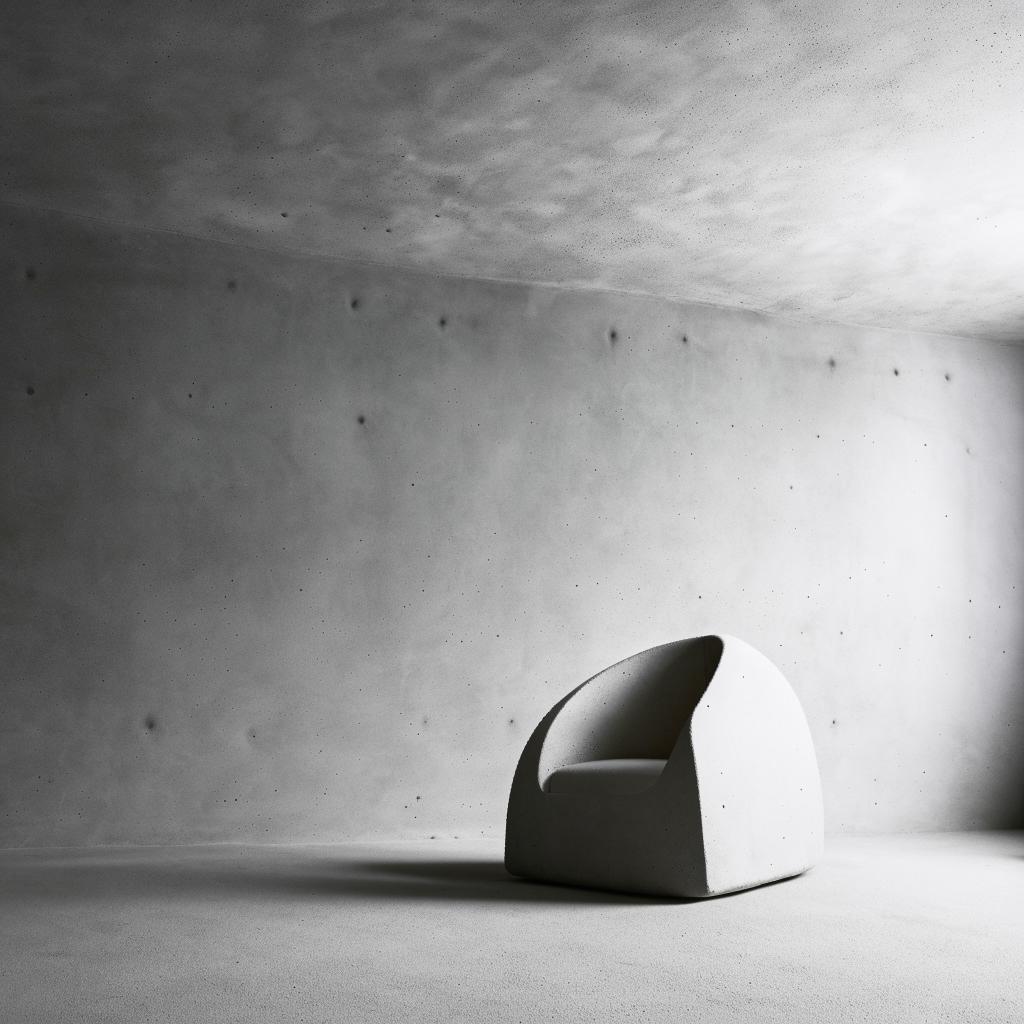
855	161
887	930
295	549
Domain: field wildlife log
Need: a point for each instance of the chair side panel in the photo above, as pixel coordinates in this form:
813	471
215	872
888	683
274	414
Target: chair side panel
757	775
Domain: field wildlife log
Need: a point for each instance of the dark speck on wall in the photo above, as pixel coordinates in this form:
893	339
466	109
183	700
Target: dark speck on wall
832	364
354	304
150	723
360	419
895	371
613	335
30	390
443	322
232	285
30	273
284	213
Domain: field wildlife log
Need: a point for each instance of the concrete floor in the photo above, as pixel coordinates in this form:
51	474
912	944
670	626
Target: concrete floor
909	928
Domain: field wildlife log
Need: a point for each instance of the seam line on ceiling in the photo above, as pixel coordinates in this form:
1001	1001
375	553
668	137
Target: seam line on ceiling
576	287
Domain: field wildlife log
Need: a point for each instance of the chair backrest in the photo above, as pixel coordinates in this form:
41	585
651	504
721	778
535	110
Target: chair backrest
637	708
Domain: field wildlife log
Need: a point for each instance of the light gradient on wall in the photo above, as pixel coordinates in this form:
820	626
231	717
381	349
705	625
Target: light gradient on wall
301	550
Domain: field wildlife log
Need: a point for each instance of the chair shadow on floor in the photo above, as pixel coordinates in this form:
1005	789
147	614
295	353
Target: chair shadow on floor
305	873
276	873
454	880
480	880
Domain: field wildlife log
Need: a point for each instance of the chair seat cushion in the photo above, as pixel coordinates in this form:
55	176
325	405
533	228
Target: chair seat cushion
622	775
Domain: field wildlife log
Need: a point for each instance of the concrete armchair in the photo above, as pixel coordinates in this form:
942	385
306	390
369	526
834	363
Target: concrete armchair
685	770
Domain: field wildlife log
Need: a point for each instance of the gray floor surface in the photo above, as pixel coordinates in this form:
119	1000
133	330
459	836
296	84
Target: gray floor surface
907	928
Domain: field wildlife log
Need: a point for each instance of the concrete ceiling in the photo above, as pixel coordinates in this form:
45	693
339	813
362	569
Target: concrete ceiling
852	161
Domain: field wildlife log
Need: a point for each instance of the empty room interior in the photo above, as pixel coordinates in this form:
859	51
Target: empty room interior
512	511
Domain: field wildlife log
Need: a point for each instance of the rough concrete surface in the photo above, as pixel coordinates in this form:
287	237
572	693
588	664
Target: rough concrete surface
911	930
853	161
302	550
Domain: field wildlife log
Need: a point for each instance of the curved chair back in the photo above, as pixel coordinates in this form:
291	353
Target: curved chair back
638	708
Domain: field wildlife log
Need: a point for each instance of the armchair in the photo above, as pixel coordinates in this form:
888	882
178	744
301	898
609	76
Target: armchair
686	770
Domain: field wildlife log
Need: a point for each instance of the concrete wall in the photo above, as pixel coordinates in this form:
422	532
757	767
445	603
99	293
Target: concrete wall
301	550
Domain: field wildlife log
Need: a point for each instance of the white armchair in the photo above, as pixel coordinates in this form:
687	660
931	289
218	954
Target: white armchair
685	770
